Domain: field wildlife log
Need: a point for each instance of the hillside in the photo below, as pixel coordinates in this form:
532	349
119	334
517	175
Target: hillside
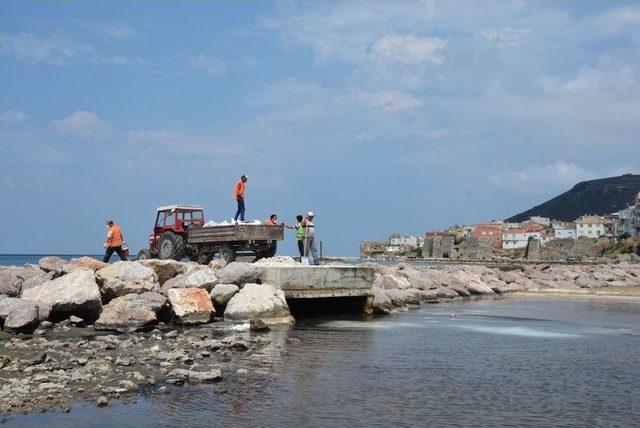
602	196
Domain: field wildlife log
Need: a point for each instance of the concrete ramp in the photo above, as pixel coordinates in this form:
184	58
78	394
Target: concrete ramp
313	282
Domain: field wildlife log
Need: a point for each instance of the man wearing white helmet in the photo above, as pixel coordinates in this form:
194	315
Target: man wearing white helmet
309	237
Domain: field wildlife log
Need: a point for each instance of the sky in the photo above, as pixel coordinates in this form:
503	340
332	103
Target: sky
379	116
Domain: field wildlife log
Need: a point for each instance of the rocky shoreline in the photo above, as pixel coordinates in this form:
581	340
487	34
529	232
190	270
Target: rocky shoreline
403	286
83	331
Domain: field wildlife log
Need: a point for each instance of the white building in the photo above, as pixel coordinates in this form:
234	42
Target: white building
513	239
565	232
590	226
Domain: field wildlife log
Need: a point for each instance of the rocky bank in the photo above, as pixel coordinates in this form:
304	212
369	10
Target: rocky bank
85	330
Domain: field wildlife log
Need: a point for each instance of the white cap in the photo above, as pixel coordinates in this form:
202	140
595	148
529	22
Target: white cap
310	214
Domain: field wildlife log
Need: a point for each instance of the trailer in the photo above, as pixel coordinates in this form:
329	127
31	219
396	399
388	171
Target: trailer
180	232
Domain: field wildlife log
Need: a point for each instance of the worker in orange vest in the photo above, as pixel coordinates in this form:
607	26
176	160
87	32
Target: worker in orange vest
238	195
113	242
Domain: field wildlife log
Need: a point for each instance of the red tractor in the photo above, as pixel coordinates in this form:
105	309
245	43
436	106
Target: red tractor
169	237
179	232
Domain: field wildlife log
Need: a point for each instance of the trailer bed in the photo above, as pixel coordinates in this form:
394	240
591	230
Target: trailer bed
237	233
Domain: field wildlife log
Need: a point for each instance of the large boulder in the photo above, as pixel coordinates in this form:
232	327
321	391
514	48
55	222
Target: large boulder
395	282
381	302
73	294
84	263
52	264
238	273
11	305
164	269
11	279
132	312
19	315
262	301
123	278
222	293
203	278
191	305
479	288
36	280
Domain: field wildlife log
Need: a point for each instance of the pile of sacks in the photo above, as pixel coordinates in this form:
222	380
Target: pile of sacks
402	286
134	296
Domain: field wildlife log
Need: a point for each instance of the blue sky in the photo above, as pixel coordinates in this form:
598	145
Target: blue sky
388	116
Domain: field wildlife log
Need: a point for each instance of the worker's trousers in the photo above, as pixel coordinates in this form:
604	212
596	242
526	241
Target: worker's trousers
301	247
310	246
110	251
240	211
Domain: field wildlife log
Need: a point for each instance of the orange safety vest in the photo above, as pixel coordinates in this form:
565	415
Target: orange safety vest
239	190
116	237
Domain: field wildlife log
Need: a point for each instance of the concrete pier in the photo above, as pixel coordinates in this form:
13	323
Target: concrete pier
313	282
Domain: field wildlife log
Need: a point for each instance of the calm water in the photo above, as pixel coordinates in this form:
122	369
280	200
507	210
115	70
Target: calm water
523	362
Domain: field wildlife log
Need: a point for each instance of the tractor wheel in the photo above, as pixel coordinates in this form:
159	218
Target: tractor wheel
144	255
227	254
171	246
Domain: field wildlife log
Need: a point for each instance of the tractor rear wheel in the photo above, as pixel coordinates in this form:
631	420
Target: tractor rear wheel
144	255
227	254
171	246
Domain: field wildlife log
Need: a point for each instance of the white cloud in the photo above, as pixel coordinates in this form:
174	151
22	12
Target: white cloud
178	142
390	101
207	64
83	125
115	30
54	50
13	116
408	49
541	179
507	36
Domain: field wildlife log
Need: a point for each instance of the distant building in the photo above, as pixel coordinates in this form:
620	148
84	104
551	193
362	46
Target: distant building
546	222
566	231
590	226
519	238
611	224
491	231
629	219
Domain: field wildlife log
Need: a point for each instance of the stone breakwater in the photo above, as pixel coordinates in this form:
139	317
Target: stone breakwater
404	286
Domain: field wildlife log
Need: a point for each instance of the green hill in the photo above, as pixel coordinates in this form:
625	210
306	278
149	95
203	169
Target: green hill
602	196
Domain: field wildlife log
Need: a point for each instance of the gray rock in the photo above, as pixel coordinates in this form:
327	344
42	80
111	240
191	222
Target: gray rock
191	305
404	297
257	324
222	293
36	280
84	263
132	312
394	282
73	294
164	269
11	304
202	278
479	288
262	301
381	302
238	273
19	315
11	279
123	278
77	321
52	264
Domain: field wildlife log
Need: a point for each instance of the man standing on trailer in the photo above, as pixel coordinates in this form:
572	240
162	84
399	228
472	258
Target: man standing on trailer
238	194
113	242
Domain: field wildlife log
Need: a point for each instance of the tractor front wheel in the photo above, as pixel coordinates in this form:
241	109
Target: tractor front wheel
171	246
144	255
